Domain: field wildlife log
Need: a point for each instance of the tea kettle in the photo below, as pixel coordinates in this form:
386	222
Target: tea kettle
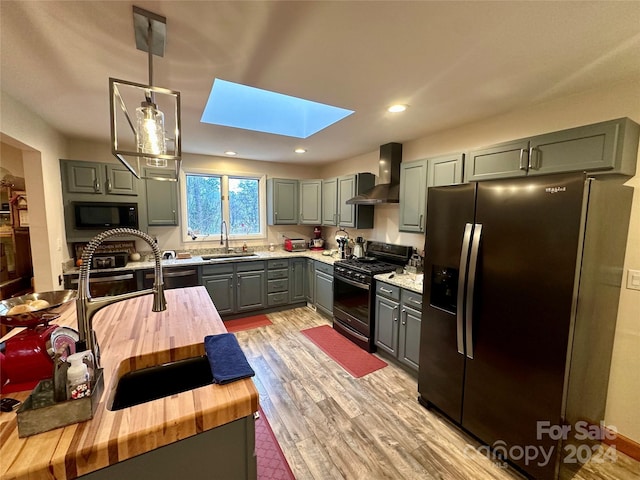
358	248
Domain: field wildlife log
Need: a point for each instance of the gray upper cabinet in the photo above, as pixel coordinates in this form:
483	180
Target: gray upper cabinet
413	191
282	201
310	202
120	181
336	192
445	170
346	190
162	197
500	161
329	201
415	178
607	147
98	178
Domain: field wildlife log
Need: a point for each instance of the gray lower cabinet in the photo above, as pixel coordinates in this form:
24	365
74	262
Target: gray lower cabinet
387	315
277	282
236	287
398	323
162	197
323	287
282	201
310	202
605	147
227	451
220	281
297	277
250	294
310	281
409	329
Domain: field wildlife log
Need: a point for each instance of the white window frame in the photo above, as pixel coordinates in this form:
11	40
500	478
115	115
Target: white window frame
224	186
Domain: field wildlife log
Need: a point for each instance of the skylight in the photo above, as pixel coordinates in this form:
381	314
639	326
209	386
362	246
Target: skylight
240	106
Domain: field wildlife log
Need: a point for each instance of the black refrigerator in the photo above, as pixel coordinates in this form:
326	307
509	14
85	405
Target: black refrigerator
521	288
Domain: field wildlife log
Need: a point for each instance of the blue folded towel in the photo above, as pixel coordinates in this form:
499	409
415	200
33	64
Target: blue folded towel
226	358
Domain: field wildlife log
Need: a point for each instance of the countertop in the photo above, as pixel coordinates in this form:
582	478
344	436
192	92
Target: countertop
198	260
402	280
131	337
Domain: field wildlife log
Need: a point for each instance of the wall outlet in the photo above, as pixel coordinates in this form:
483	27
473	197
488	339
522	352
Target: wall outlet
633	279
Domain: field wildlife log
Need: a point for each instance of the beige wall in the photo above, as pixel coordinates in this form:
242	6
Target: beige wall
11	160
41	148
620	100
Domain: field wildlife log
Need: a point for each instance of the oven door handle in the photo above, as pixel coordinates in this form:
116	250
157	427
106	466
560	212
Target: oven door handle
178	273
113	278
363	286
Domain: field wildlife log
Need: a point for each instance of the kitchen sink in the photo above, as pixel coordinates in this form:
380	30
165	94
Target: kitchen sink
215	256
146	384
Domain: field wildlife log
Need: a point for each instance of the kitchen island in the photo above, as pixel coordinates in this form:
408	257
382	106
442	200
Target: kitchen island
133	337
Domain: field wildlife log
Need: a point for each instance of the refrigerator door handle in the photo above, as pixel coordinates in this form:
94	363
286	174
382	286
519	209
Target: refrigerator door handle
464	257
473	262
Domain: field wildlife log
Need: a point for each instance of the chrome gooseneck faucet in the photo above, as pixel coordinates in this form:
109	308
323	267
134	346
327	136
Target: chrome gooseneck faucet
86	307
226	236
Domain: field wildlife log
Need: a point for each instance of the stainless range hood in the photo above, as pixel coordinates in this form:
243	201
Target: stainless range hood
388	188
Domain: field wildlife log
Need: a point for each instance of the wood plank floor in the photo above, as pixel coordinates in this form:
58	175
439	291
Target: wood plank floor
333	426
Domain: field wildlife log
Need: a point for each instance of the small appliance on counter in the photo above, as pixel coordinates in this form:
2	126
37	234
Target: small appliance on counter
28	356
295	244
110	260
317	242
358	248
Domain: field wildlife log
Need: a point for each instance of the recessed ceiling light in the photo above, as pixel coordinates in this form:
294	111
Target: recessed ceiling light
300	150
230	152
397	108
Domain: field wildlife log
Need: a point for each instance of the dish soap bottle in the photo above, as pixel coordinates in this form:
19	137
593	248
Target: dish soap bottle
78	385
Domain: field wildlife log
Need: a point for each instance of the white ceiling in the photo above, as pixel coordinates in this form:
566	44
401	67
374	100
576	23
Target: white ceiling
452	62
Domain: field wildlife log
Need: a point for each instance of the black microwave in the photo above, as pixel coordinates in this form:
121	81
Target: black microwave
99	215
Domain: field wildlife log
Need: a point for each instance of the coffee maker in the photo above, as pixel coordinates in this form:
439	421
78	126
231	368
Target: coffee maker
317	242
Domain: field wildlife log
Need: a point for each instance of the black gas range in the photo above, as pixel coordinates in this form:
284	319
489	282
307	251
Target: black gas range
353	291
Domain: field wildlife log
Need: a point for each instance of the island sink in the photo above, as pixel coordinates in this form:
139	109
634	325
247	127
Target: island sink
146	384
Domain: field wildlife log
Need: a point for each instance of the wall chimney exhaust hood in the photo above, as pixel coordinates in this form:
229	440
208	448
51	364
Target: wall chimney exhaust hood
388	188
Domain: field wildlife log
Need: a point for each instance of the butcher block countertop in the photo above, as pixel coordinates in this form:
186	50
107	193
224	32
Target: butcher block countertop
131	337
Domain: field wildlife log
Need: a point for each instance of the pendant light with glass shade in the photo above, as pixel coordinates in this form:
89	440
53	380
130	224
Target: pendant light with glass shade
151	141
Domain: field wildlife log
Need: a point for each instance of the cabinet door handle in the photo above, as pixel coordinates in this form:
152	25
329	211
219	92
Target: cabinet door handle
523	163
420	222
174	215
395	317
108	185
533	160
404	317
96	185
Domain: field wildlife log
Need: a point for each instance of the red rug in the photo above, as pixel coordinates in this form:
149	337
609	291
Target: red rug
350	357
272	465
247	323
